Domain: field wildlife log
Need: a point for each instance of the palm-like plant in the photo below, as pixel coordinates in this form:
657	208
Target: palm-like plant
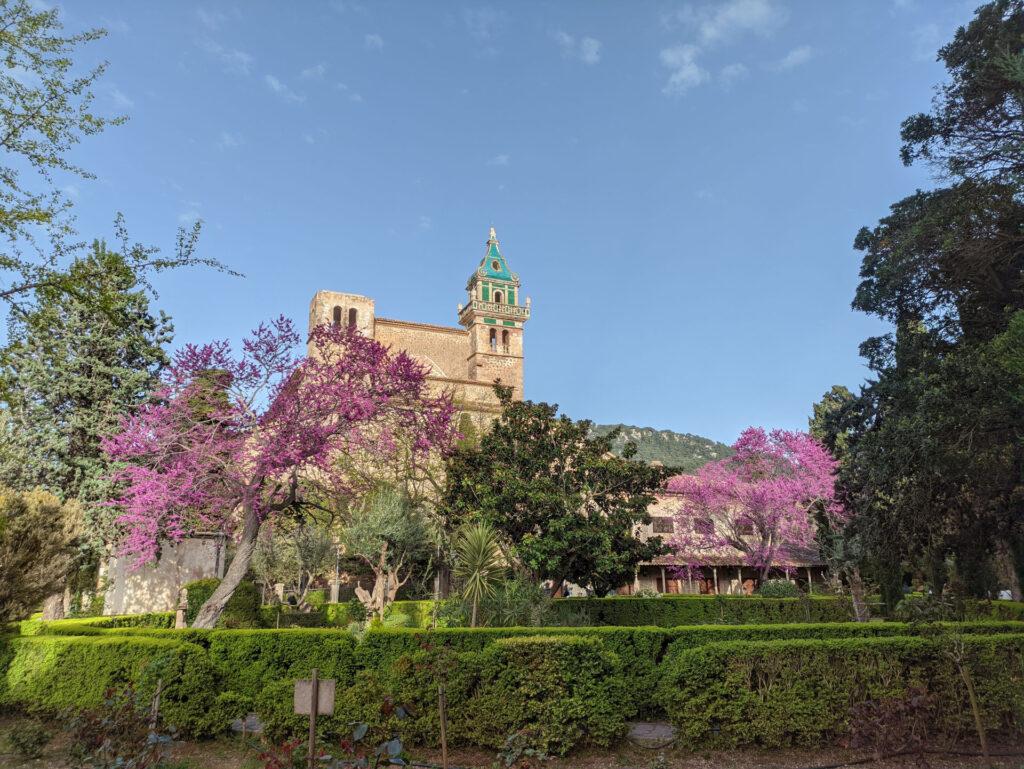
479	565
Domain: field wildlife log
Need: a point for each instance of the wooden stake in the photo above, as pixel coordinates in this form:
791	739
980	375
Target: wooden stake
314	697
442	708
154	713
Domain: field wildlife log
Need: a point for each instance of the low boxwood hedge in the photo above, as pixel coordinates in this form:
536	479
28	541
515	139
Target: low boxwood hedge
566	691
672	611
51	674
639	649
242	610
250	659
212	676
682	638
799	692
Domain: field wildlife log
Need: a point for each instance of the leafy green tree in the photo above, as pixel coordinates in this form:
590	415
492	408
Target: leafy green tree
46	109
37	536
931	456
479	564
74	366
392	537
567	507
976	127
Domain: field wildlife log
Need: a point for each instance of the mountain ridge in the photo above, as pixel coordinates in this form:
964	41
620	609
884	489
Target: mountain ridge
682	451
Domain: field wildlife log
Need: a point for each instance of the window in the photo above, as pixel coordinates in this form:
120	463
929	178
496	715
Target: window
337	317
352	317
704	526
663	525
494	340
496	265
497	297
504	342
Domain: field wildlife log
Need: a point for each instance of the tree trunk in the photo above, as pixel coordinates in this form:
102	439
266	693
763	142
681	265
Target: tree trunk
53	607
860	608
1006	566
214	606
476	602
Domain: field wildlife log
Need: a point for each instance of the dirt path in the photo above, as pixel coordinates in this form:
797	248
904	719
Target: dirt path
238	753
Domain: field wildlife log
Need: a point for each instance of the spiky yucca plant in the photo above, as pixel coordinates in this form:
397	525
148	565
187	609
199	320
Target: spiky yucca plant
480	565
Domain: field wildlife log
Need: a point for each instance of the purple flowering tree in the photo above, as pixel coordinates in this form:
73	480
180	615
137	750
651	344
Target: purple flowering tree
232	440
759	501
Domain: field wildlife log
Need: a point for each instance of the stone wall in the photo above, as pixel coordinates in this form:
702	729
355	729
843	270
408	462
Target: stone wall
156	587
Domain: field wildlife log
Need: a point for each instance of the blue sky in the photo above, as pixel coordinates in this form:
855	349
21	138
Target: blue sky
677	184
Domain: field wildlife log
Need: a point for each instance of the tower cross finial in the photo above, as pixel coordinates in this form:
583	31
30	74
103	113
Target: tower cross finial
493	236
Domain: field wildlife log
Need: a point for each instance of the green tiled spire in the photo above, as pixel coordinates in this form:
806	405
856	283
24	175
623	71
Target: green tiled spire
494	263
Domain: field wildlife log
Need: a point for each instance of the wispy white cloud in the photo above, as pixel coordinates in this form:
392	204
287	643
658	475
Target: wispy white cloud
714	22
711	25
70	190
373	42
684	71
316	72
425	222
484	23
211	19
229	140
232	60
188	217
498	160
796	57
586	49
282	90
120	98
732	72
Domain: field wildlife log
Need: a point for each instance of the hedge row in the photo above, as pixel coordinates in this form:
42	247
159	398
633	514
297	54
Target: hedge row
248	659
568	690
565	686
54	673
671	611
800	692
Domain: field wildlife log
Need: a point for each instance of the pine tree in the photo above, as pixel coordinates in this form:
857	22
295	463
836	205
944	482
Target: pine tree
76	362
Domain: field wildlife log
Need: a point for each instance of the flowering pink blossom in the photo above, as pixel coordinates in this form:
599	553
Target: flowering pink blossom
229	440
758	501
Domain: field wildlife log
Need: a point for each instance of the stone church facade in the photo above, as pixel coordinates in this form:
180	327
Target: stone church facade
466	360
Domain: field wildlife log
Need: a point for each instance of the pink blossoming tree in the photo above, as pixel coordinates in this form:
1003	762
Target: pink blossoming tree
758	501
230	441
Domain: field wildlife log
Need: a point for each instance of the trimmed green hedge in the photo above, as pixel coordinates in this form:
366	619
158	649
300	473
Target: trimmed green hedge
53	673
242	610
566	686
672	611
1009	611
799	692
250	659
567	691
639	649
682	638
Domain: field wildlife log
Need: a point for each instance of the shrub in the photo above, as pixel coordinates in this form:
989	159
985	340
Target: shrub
682	638
117	735
248	660
802	692
242	610
568	688
29	739
779	588
51	674
639	649
672	611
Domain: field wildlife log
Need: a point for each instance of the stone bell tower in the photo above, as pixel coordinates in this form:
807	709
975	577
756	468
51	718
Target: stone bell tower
494	319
